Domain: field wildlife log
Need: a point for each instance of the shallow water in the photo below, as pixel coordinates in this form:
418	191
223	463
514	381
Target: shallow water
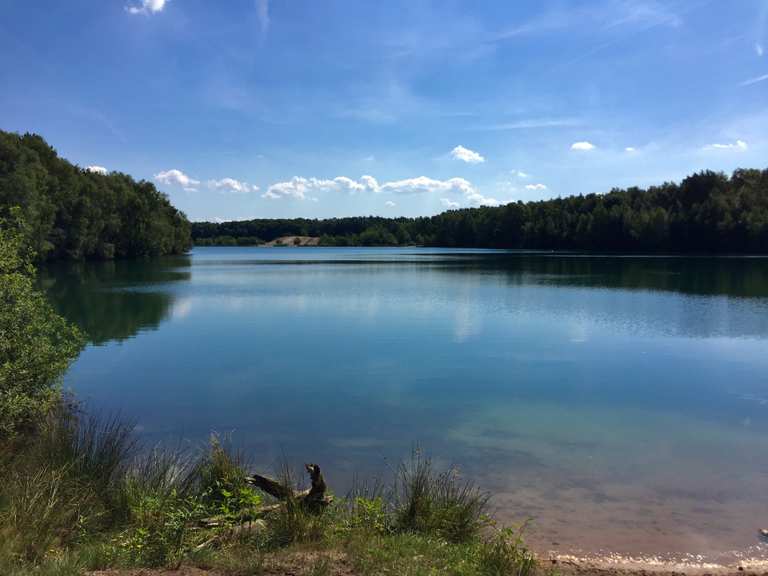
620	403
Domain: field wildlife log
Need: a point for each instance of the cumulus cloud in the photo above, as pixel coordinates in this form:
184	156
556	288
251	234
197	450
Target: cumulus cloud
467	155
389	204
232	185
146	7
474	198
423	184
97	169
449	204
630	149
583	146
301	188
177	177
738	145
535	186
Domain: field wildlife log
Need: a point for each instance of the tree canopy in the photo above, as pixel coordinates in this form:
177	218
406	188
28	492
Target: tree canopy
74	214
706	212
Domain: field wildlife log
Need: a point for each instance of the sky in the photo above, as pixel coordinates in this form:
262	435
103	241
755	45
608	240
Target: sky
244	109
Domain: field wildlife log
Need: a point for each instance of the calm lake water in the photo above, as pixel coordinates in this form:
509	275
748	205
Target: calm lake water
620	403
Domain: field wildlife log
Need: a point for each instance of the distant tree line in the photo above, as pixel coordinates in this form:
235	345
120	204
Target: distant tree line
706	212
71	213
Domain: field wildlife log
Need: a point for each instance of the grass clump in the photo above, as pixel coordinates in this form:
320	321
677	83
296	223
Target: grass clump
431	502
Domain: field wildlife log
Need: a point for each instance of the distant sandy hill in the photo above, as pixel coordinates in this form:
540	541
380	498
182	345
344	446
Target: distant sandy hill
294	241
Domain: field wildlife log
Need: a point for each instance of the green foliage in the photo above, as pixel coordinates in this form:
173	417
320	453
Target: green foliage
78	495
36	345
75	214
368	515
159	530
219	480
707	212
438	503
506	555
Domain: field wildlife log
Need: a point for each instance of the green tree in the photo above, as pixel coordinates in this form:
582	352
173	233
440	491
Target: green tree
36	345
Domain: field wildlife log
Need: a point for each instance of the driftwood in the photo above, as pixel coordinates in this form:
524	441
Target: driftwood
313	499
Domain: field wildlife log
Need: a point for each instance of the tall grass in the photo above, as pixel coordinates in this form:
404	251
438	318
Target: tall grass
431	502
81	493
64	480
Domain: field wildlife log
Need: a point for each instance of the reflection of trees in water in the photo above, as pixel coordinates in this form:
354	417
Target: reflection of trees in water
113	300
736	277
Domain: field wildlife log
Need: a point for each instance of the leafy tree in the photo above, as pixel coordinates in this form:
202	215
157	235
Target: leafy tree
75	214
36	345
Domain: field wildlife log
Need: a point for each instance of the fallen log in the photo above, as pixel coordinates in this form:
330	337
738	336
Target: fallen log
313	499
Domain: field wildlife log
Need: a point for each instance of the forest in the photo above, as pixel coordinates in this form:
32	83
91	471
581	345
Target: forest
708	212
74	214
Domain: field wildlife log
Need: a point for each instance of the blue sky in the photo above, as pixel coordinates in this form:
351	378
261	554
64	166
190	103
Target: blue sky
280	108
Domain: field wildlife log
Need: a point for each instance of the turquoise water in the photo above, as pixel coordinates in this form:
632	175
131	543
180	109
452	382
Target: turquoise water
618	402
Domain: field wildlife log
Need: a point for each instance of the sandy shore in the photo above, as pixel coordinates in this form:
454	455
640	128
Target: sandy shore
290	241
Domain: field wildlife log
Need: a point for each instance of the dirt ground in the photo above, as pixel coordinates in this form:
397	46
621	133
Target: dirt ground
300	565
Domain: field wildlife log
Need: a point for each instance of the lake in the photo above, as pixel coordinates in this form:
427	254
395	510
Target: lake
618	402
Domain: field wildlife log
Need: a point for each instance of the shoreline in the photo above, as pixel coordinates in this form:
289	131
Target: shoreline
611	564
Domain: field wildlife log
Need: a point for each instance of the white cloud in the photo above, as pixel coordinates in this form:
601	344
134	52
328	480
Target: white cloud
232	185
630	149
389	204
297	187
147	7
755	80
177	177
423	184
467	155
262	13
477	199
97	169
535	186
582	146
449	204
759	50
301	188
738	145
521	174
